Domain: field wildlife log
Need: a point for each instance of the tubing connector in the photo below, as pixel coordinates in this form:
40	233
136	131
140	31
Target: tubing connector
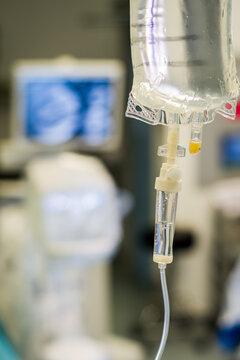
168	184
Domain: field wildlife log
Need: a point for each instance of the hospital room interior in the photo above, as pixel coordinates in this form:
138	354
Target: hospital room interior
120	180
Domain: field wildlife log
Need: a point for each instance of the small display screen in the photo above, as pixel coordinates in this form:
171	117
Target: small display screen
230	150
57	110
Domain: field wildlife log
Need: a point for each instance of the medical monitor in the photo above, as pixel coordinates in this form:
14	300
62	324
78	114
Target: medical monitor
66	102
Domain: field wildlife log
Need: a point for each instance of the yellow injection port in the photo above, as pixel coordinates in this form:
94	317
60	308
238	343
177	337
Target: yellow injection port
195	147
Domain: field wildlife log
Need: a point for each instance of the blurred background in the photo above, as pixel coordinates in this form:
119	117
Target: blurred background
77	200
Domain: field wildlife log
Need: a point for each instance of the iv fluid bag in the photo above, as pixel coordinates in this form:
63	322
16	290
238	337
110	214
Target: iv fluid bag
183	60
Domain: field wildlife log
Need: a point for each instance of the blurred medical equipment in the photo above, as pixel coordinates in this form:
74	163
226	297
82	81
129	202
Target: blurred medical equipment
6	350
68	349
222	149
54	255
225	199
229	321
63	257
184	73
110	348
79	190
65	103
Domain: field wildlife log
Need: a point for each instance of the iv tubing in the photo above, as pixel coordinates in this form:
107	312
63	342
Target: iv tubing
162	268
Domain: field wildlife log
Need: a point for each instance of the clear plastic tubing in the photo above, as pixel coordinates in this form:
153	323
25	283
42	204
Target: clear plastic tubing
161	348
182	54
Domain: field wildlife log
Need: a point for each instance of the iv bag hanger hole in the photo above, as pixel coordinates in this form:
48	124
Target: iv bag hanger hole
138	108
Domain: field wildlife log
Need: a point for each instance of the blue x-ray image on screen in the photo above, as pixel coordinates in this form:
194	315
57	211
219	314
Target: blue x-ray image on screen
59	110
230	150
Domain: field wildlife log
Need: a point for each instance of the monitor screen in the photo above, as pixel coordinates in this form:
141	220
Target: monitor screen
57	110
68	102
230	150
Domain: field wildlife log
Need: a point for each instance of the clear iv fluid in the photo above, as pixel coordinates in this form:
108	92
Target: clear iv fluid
182	54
